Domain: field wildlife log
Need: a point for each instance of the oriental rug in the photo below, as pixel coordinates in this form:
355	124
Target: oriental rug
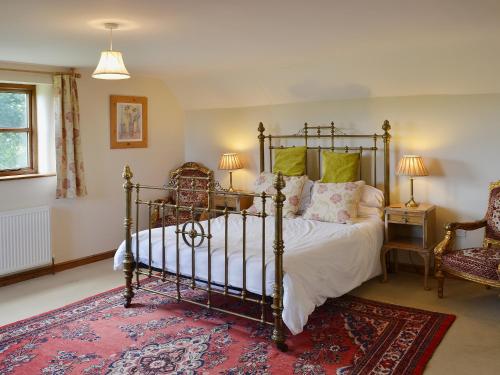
157	335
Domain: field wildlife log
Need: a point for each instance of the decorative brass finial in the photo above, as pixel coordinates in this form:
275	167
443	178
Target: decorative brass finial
386	127
261	128
279	182
127	173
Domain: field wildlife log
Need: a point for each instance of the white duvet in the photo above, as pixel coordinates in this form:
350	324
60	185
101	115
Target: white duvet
321	260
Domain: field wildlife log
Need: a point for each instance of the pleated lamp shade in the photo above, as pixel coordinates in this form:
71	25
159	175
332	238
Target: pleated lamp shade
111	66
411	165
230	161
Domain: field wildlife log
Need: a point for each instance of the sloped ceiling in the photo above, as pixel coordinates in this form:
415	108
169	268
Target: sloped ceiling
227	53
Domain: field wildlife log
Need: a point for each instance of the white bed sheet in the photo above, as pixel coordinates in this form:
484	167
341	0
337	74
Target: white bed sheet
321	260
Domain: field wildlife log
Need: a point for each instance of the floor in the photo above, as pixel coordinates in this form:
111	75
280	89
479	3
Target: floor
471	346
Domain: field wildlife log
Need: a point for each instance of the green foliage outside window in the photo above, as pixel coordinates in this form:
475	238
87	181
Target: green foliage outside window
13	145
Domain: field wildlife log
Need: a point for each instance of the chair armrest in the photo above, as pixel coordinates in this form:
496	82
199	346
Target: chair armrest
155	214
445	246
165	200
473	225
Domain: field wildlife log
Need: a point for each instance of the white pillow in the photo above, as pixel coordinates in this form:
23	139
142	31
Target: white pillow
335	203
292	190
365	211
305	199
372	197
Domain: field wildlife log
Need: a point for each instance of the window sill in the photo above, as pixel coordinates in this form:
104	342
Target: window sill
25	176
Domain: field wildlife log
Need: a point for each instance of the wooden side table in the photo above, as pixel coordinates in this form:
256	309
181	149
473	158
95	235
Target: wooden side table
233	202
409	229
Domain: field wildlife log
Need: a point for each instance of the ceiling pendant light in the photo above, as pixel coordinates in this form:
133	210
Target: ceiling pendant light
111	64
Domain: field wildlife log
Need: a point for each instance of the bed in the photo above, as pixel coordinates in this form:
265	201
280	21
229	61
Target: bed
304	261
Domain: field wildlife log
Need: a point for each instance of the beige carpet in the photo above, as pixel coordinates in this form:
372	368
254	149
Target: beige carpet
471	346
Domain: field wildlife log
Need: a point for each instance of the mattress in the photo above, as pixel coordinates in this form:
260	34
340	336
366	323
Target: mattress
320	261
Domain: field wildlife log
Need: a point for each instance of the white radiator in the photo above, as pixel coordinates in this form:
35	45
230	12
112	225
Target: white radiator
24	239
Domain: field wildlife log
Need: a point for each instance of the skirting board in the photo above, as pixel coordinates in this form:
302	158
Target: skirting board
58	267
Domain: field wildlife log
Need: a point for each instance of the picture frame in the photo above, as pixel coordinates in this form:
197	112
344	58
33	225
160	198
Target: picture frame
128	121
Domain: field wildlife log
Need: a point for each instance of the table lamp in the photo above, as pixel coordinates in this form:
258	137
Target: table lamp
230	162
413	166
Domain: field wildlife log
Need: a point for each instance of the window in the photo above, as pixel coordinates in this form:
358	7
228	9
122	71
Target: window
18	144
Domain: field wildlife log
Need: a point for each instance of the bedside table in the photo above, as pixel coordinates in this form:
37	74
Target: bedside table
233	202
410	229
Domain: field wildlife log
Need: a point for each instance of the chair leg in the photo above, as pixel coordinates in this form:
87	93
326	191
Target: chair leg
440	279
383	263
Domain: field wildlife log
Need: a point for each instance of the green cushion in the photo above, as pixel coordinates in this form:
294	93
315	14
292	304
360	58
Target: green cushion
290	161
340	167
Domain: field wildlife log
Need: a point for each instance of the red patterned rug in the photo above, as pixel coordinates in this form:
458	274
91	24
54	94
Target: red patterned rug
347	335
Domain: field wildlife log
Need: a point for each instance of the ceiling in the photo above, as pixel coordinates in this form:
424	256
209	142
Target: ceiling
227	53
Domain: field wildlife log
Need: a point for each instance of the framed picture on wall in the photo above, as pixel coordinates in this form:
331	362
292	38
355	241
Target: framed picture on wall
128	121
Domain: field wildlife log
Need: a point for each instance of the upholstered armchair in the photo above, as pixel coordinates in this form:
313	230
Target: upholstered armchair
478	264
186	198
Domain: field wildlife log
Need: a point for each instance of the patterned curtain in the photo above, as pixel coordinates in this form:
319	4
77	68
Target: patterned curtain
69	161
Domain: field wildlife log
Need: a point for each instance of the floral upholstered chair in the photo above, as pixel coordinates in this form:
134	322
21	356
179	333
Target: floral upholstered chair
186	198
478	264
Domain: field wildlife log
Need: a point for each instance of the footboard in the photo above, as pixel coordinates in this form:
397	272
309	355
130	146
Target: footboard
193	234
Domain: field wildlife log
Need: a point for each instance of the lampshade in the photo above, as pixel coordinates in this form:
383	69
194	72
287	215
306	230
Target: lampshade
230	161
111	66
411	165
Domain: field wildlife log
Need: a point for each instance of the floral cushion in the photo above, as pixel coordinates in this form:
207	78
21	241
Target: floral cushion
292	191
335	203
475	261
493	215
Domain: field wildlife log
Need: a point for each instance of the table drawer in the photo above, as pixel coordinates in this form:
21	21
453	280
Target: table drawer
405	218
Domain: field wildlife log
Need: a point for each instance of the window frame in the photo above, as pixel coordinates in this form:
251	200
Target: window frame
31	130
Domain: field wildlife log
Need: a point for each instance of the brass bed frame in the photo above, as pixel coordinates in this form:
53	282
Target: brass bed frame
193	234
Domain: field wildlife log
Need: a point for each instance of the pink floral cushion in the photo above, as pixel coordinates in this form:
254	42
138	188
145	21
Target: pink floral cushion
335	203
293	191
475	261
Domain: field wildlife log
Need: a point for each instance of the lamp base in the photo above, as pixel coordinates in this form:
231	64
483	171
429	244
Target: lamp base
231	190
411	203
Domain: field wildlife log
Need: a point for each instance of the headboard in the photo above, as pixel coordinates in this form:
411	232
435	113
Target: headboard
313	138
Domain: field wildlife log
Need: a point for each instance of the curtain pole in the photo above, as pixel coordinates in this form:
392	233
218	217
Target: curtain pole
76	75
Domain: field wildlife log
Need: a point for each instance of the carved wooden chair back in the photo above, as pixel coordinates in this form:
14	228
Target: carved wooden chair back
186	197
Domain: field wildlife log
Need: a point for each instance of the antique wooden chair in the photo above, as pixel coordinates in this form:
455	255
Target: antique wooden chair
478	264
186	198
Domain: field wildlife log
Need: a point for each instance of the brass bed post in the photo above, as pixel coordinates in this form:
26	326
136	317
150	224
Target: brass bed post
137	187
261	137
360	162
177	232
305	142
150	245
128	260
263	264
210	187
163	247
387	139
374	148
278	335
332	135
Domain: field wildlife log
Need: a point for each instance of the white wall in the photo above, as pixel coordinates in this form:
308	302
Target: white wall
458	136
94	224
